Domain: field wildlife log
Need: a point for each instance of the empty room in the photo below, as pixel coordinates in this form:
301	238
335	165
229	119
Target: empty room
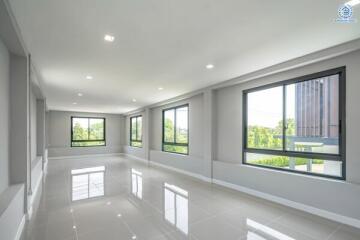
160	119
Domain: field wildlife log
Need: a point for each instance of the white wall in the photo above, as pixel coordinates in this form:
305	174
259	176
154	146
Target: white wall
33	125
334	196
4	116
215	149
59	143
40	126
12	217
19	118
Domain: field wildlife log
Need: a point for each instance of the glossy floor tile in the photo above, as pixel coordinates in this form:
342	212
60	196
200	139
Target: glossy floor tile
110	198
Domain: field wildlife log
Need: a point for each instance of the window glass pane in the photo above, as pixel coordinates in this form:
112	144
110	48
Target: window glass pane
182	125
133	128
80	129
176	149
139	128
169	121
265	114
96	129
312	115
327	167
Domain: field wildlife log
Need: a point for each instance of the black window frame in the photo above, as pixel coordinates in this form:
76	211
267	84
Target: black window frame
136	140
341	156
90	140
163	130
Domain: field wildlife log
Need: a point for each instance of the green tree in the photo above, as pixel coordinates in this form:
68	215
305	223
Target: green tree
269	138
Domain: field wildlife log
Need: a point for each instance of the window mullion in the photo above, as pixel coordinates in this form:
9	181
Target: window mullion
131	128
175	125
136	128
88	128
284	127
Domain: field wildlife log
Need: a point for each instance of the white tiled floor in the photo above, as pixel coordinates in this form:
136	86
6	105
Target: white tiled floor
130	200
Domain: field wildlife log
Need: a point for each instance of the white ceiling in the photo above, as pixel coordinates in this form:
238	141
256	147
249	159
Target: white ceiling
165	43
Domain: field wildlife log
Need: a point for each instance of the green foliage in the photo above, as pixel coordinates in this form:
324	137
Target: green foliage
95	132
281	161
181	137
136	128
176	149
269	138
88	144
169	130
136	144
80	133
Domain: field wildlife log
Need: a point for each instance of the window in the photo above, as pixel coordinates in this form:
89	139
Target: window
136	131
87	132
297	125
176	130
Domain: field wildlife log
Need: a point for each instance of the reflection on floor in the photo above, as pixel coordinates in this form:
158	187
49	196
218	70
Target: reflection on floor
87	183
119	198
176	210
136	183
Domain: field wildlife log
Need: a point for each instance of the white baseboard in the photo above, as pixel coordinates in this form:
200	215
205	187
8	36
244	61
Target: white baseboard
195	175
45	170
299	206
29	213
33	196
20	228
135	157
191	174
85	156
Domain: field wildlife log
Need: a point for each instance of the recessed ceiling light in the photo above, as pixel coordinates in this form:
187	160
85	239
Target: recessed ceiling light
133	237
109	38
160	88
80	94
89	77
209	66
74	227
134	100
74	103
119	215
352	2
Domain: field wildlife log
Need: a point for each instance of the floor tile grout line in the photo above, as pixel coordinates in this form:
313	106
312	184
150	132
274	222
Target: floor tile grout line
295	230
336	229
